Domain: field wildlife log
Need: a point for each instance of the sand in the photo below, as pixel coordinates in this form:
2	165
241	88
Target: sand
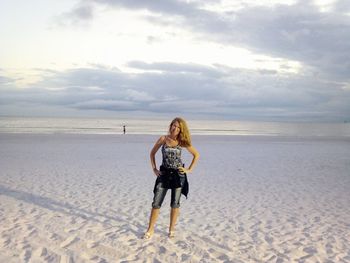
87	198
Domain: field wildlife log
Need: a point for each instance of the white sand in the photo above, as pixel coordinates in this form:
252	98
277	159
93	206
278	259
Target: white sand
87	198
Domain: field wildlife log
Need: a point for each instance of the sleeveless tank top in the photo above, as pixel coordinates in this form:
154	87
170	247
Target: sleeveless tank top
171	156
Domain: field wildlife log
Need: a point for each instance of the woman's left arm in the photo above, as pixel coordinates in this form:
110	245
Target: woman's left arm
195	158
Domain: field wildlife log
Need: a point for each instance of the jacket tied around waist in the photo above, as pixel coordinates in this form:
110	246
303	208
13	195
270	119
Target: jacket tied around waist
171	178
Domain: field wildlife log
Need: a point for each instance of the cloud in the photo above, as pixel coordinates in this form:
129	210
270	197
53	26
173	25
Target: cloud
342	6
6	80
81	15
320	41
169	7
188	88
176	68
105	104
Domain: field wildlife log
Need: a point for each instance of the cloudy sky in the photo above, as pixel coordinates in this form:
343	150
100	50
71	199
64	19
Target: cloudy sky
231	59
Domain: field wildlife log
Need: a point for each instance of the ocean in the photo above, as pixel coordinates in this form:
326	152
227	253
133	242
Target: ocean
44	125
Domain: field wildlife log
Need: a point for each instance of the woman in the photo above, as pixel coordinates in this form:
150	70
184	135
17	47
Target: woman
172	173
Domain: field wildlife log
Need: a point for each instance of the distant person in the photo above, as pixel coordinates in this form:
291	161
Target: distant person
124	129
172	174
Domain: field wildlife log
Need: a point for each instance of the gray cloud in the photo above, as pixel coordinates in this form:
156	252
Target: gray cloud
319	40
6	80
342	6
169	7
81	15
188	88
84	12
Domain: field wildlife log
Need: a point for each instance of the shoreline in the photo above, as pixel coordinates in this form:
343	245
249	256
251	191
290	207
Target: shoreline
199	136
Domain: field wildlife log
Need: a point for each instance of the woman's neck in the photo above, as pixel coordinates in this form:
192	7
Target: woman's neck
173	137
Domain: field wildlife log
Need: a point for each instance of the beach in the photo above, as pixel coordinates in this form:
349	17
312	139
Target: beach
87	198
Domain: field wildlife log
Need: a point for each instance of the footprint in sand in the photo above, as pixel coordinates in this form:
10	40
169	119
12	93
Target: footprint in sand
268	239
40	252
329	249
89	257
5	241
162	250
24	244
183	245
54	236
32	211
69	241
25	255
185	257
30	231
132	241
190	239
69	230
92	244
66	259
310	250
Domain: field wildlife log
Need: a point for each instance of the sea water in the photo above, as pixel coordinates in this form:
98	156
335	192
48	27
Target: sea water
160	126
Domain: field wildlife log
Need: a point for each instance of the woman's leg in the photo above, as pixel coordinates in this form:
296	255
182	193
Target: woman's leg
156	204
175	209
174	213
152	220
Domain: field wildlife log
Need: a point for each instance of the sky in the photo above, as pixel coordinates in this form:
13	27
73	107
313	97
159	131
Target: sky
231	59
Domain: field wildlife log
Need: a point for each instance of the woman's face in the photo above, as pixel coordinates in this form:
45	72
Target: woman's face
175	128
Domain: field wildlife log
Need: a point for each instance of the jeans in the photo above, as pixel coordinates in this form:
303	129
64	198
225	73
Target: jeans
160	193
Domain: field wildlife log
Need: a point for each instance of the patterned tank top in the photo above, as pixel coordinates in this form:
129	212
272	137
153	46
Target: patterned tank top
171	156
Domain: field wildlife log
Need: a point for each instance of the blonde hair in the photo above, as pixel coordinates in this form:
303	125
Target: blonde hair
184	136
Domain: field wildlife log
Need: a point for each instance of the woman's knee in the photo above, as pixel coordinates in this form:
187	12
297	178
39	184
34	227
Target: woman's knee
175	205
156	205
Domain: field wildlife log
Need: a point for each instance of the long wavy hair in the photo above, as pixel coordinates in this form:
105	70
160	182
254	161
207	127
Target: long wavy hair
184	136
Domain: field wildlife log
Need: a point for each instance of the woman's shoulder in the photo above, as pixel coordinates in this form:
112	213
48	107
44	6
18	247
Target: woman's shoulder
162	139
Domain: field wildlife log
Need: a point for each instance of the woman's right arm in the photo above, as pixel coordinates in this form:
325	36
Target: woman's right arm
154	150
